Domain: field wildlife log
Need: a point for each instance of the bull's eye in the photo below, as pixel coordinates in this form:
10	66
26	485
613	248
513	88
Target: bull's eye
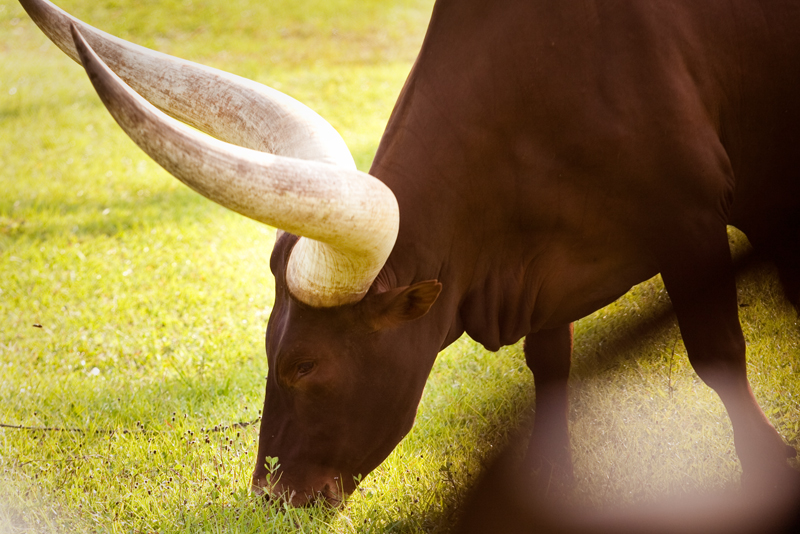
303	368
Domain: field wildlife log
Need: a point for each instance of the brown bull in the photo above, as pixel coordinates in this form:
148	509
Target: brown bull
542	158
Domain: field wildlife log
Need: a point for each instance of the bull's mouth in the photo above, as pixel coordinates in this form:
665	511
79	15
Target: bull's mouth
331	494
332	497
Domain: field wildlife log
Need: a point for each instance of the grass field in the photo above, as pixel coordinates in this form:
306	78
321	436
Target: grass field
127	302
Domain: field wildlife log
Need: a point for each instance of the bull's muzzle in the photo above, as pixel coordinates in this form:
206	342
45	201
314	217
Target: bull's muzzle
327	490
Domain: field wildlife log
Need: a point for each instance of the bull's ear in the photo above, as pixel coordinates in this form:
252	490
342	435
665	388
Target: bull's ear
402	304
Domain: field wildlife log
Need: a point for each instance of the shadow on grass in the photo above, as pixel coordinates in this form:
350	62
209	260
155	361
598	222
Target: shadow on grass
628	340
502	501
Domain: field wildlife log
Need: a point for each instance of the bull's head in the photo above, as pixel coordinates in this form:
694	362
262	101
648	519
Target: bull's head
337	399
337	402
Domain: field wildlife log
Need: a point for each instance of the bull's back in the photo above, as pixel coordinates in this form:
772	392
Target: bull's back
509	97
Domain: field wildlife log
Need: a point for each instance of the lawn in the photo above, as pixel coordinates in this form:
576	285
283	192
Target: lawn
129	303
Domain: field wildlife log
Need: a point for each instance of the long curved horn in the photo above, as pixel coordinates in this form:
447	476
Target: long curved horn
253	115
349	219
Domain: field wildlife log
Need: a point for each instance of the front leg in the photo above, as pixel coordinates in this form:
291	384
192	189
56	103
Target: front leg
548	354
699	277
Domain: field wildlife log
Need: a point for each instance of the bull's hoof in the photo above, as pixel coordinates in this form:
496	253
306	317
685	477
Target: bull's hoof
549	463
774	478
552	479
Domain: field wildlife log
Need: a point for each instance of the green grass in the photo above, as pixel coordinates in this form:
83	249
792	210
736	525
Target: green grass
153	302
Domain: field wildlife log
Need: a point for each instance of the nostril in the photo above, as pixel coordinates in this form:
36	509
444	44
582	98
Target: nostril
333	494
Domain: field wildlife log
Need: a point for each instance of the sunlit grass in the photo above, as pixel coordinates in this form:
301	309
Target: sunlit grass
644	424
151	305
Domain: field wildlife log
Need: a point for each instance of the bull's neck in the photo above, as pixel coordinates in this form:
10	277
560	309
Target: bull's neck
451	144
441	189
435	226
425	237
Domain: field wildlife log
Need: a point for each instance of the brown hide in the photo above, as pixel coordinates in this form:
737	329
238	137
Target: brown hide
541	152
546	157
